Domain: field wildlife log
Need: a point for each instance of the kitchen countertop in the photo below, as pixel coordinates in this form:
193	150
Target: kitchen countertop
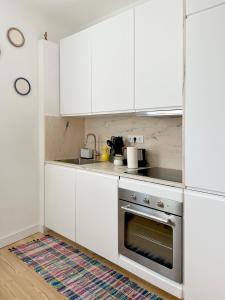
110	169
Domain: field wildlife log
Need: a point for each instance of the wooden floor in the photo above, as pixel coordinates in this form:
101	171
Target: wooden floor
19	282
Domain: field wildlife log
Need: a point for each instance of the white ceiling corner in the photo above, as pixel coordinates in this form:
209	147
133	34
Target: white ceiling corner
79	14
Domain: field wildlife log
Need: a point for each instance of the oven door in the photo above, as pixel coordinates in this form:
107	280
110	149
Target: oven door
151	238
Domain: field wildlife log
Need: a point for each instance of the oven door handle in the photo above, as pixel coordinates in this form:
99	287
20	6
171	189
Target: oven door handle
167	221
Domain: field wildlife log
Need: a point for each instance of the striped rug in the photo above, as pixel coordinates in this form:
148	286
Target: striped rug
76	275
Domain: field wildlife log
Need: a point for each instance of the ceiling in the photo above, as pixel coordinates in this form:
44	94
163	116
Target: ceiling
79	14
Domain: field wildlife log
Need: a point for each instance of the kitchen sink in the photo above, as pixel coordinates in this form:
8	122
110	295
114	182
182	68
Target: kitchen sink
79	161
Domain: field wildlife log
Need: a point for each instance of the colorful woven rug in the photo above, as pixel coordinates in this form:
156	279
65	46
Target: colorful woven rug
76	275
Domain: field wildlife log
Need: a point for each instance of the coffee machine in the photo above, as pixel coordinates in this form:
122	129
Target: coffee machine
116	145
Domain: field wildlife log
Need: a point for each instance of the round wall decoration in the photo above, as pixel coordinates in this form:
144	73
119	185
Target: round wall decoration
22	86
15	37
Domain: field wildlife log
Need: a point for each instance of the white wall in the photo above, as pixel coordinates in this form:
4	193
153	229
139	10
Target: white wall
19	180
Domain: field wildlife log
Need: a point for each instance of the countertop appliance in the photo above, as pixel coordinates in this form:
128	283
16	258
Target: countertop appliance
150	231
141	157
159	173
89	153
116	144
86	153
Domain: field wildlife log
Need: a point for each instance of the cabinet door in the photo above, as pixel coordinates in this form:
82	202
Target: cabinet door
97	213
204	246
113	64
205	105
159	54
75	74
60	200
198	5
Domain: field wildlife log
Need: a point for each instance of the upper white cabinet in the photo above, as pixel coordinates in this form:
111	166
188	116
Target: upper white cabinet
159	54
97	213
198	5
113	64
75	74
205	101
60	200
132	61
204	246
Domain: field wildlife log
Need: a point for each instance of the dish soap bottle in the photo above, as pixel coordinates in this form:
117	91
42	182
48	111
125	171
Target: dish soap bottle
105	153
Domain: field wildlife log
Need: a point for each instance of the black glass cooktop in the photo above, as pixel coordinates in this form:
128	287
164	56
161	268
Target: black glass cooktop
159	173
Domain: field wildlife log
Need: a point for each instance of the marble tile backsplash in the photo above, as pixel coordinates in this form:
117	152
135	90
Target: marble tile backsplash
162	136
62	141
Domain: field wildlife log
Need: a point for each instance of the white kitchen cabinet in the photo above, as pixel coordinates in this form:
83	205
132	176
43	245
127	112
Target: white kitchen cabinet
60	200
204	246
75	74
205	105
113	64
194	6
48	56
159	55
97	213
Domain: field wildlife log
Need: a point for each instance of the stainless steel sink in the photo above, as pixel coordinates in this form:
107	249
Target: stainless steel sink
79	161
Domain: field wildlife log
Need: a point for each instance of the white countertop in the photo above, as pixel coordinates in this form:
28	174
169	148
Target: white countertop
110	169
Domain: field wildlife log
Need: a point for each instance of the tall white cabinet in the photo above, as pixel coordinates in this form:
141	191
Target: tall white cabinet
194	6
159	61
97	213
205	101
204	221
75	74
204	246
48	60
112	64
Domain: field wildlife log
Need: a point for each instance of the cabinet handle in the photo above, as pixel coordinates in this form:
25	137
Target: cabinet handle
167	221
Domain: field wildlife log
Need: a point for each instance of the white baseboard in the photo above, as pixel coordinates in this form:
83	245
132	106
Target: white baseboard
41	229
12	238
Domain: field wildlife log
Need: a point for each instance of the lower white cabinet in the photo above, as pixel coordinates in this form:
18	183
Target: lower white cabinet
204	246
97	213
60	200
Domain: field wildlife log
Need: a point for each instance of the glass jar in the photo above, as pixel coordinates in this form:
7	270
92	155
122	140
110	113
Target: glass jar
118	160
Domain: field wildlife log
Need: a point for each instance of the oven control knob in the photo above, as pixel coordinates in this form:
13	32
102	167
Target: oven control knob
160	204
146	200
133	197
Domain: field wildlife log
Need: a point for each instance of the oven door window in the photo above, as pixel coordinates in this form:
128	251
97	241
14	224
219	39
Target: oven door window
149	239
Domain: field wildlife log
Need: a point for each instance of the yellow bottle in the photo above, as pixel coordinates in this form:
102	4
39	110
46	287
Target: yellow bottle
105	153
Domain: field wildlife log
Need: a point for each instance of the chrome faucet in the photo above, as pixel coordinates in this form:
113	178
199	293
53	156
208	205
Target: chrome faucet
95	143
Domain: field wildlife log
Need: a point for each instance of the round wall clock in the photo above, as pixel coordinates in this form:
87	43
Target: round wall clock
15	37
22	86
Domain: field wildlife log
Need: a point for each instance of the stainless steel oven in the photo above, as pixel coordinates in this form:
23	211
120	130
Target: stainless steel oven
150	232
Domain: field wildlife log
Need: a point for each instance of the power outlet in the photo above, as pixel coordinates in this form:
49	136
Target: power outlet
138	138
